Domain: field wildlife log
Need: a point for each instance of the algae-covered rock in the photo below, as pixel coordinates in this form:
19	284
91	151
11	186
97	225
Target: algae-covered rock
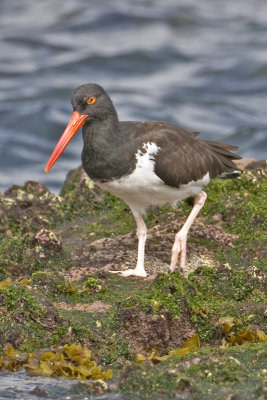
28	319
236	373
55	286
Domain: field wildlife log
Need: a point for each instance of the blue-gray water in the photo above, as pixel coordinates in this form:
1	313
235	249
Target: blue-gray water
201	64
19	386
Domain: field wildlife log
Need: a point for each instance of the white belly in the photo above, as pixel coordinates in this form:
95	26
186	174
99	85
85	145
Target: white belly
143	187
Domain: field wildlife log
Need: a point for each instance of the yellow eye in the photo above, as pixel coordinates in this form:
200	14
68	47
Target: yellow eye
91	100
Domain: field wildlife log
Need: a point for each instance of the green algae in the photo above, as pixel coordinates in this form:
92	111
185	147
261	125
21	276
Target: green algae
219	291
92	283
50	283
28	320
22	254
209	373
167	292
243	208
100	332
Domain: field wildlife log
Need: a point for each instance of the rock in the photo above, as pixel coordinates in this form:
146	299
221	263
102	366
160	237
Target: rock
48	242
61	242
250	163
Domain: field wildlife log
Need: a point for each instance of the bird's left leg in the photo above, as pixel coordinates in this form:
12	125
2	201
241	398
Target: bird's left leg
141	232
179	246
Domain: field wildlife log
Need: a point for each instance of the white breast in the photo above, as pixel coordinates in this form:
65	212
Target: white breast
143	187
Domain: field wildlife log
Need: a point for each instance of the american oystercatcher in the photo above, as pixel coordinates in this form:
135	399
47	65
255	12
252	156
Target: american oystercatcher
144	163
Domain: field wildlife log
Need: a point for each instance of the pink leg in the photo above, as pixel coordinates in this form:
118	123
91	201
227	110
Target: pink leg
141	234
179	246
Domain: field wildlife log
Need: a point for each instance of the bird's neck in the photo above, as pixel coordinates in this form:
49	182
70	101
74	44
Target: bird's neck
100	135
102	141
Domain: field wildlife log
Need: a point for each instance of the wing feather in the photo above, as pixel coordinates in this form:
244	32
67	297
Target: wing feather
182	156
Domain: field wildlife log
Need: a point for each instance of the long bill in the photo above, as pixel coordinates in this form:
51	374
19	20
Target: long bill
76	122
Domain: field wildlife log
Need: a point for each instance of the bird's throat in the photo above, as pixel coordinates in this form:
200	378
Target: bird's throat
101	156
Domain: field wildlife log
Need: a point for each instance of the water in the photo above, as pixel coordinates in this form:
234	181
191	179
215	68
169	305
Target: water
19	386
201	64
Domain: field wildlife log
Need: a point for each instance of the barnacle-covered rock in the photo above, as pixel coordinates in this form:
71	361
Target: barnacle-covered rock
47	242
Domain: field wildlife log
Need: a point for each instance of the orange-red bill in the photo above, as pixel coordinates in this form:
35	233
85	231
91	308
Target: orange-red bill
76	122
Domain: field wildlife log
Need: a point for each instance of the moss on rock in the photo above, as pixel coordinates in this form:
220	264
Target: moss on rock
65	245
236	373
28	319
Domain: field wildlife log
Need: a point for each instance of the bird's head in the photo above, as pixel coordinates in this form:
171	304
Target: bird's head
90	103
93	101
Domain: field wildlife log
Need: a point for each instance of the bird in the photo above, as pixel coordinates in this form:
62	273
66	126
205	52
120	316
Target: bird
144	163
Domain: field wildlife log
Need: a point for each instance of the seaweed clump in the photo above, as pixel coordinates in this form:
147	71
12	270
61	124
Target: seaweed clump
190	346
237	337
70	361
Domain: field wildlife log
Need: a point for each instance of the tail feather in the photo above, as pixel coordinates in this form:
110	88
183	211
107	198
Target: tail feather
224	156
230	175
221	145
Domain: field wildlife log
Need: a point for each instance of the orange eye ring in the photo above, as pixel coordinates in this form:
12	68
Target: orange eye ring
91	100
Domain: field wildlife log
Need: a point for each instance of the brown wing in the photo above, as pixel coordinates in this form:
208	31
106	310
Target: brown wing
183	157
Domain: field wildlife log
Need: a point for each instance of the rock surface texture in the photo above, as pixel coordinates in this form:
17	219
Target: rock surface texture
56	252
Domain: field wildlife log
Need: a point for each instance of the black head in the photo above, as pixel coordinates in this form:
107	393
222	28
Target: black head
91	99
91	105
